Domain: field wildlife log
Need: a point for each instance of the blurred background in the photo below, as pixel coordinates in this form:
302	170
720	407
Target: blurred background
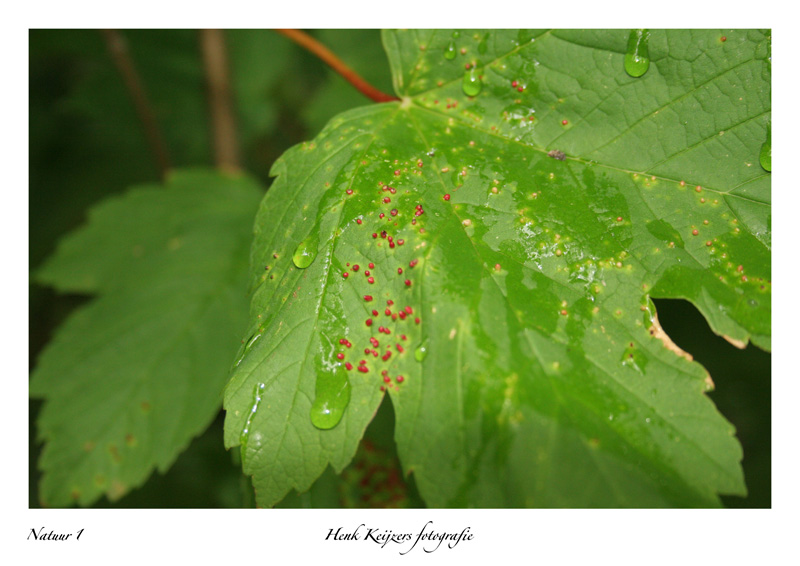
87	142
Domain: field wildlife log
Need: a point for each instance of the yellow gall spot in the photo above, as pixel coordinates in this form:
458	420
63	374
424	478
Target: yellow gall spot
117	490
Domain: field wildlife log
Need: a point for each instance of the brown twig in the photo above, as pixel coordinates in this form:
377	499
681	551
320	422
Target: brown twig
315	47
220	100
118	49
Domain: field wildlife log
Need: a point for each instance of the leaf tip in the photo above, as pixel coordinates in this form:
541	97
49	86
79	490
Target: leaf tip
741	344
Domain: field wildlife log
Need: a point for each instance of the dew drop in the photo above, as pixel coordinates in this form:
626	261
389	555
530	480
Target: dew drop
637	59
332	398
306	252
472	83
450	50
765	156
421	351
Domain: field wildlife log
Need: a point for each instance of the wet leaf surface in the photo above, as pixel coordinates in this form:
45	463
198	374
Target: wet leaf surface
486	253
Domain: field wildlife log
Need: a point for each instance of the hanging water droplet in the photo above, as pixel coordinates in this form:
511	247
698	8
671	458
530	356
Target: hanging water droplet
472	83
306	252
456	34
637	58
332	398
421	351
450	50
765	156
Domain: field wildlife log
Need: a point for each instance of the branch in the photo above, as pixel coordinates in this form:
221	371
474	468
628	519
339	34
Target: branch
315	47
220	100
118	49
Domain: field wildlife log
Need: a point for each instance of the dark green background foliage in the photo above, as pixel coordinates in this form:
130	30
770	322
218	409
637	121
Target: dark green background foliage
86	144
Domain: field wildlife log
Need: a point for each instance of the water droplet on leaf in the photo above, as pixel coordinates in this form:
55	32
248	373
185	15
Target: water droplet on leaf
765	156
306	252
472	83
637	58
450	50
243	351
332	398
421	351
258	393
634	358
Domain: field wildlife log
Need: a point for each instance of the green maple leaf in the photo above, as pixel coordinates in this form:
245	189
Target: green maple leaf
516	212
130	378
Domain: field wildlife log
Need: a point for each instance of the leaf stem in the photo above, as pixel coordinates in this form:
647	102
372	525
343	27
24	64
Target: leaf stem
118	49
327	56
220	100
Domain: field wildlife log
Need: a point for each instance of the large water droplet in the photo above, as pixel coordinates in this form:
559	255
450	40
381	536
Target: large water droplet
450	50
306	252
765	156
421	351
472	83
637	58
332	398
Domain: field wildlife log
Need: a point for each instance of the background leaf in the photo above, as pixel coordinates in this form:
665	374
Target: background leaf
537	218
133	376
